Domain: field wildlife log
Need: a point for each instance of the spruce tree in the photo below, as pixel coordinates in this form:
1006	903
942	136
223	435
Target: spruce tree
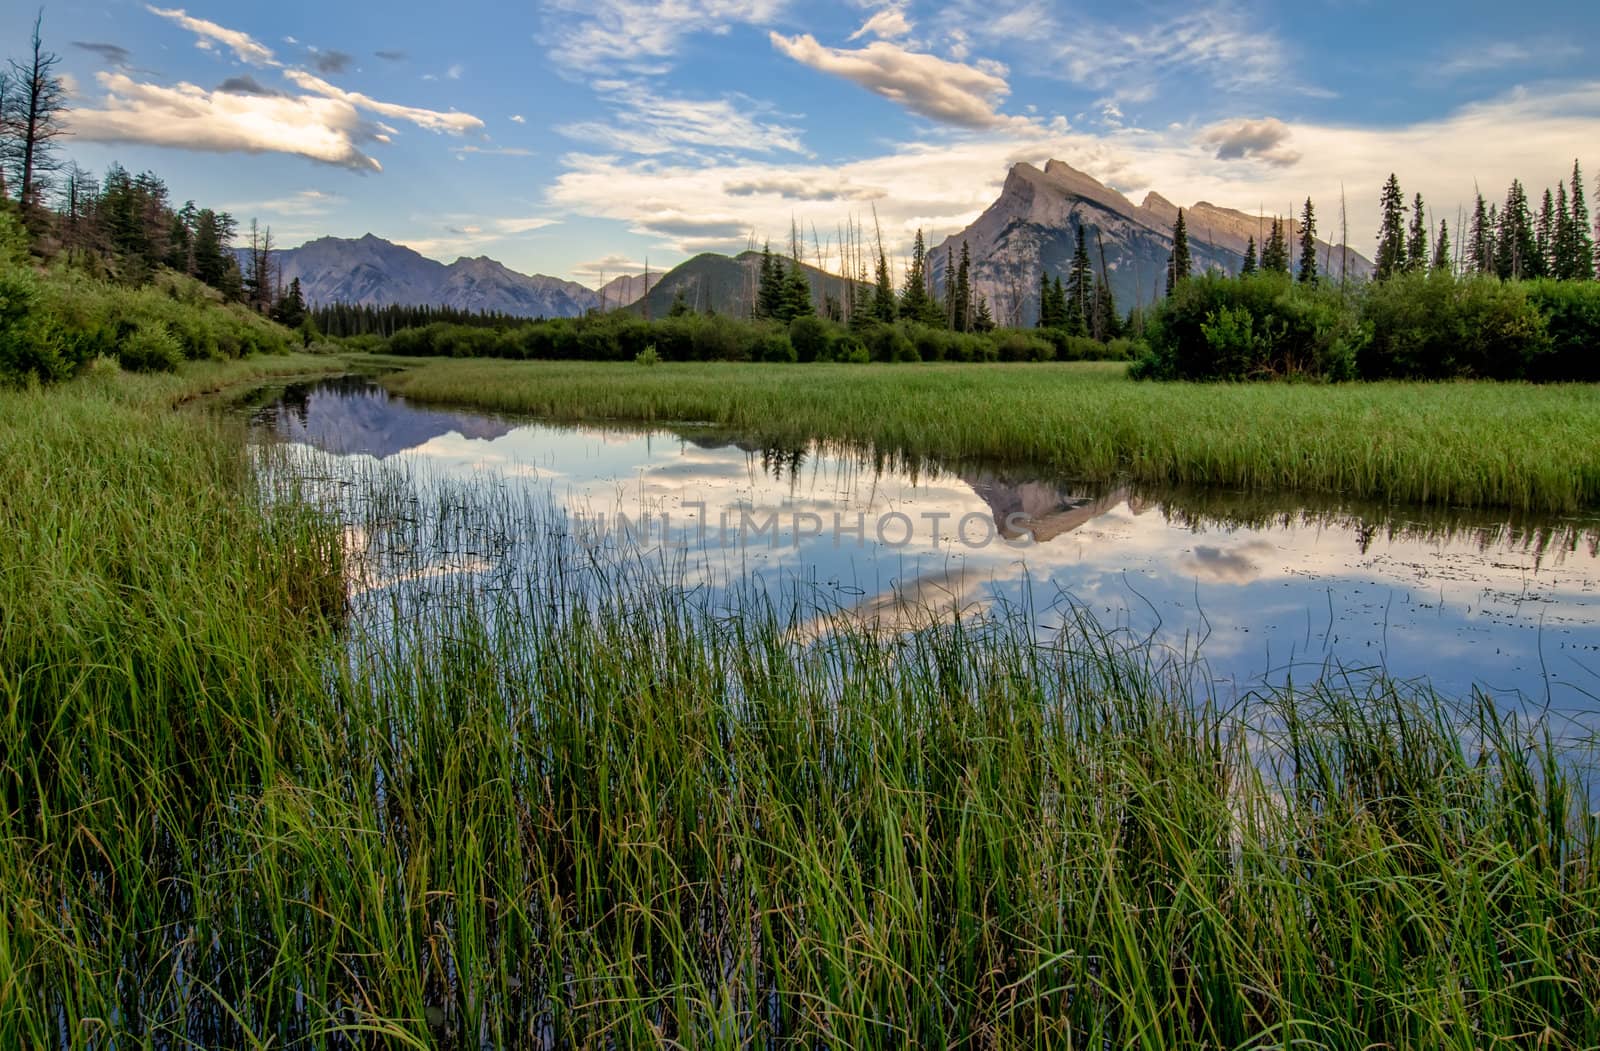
1441	248
983	320
884	306
1249	258
1179	266
1045	319
1275	256
1480	244
1417	244
1516	246
1308	244
796	293
1392	230
915	303
964	318
1583	256
1080	288
768	294
1544	232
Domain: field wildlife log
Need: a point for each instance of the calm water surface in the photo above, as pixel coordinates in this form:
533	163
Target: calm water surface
1261	589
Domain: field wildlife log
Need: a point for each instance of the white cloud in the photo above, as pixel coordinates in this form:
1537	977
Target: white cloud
605	269
244	47
455	71
186	116
1505	54
517	118
492	151
653	125
453	122
890	23
950	92
304	203
944	184
600	35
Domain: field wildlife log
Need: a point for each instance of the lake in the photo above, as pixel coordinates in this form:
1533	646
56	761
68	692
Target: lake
1245	589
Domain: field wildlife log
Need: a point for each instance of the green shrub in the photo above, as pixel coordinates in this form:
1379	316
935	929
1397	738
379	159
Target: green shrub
1571	312
809	337
1019	345
1435	326
150	347
647	356
1259	327
775	346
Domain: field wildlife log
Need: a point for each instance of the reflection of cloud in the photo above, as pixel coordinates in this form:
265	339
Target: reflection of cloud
1225	565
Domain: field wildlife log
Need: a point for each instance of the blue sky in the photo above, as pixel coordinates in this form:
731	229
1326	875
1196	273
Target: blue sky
580	137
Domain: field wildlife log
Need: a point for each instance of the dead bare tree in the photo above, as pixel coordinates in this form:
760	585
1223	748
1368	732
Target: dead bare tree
38	102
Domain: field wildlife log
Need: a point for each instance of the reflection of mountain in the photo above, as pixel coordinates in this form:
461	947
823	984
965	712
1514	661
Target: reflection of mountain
1041	509
352	415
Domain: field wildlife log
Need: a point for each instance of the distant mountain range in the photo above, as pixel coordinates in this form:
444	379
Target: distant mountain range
370	271
1033	224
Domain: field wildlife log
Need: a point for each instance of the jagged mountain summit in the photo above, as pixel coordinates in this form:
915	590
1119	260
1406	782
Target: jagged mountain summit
370	271
1035	222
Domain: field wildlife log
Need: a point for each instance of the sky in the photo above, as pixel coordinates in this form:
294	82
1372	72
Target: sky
583	138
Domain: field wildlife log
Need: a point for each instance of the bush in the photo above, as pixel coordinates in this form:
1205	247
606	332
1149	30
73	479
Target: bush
150	347
810	338
1434	326
1018	345
1571	312
1259	327
776	347
647	356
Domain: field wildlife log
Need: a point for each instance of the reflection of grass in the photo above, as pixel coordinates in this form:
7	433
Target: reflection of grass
574	807
1471	444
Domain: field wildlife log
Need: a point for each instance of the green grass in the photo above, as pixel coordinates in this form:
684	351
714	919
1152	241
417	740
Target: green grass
1516	446
579	808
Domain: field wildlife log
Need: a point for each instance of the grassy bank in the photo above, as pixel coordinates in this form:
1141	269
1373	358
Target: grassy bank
1467	444
571	809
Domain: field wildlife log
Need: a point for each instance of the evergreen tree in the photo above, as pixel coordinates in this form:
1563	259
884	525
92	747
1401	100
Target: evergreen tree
680	305
1107	323
1441	248
1249	258
769	292
1046	313
796	293
1080	289
1275	256
915	303
884	306
950	288
1417	243
290	310
964	313
1179	266
1058	303
983	320
1480	243
1308	244
1392	230
1544	232
1515	246
1582	266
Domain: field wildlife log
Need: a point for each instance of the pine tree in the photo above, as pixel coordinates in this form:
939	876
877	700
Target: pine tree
1441	248
983	320
1308	244
1480	244
796	293
1583	255
1544	233
1046	313
290	309
1249	259
1080	288
769	296
884	307
1275	256
915	303
1515	246
1417	243
964	318
1392	231
1107	323
1179	266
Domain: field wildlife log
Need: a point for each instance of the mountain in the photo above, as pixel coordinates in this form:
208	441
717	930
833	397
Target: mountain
370	271
1036	219
727	285
624	291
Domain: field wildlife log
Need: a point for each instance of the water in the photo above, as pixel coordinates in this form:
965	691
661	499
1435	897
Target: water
1260	589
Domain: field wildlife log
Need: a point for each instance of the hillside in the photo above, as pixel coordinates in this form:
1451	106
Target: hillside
726	285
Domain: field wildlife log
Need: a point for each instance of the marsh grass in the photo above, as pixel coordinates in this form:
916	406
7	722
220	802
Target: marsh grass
1515	446
530	791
